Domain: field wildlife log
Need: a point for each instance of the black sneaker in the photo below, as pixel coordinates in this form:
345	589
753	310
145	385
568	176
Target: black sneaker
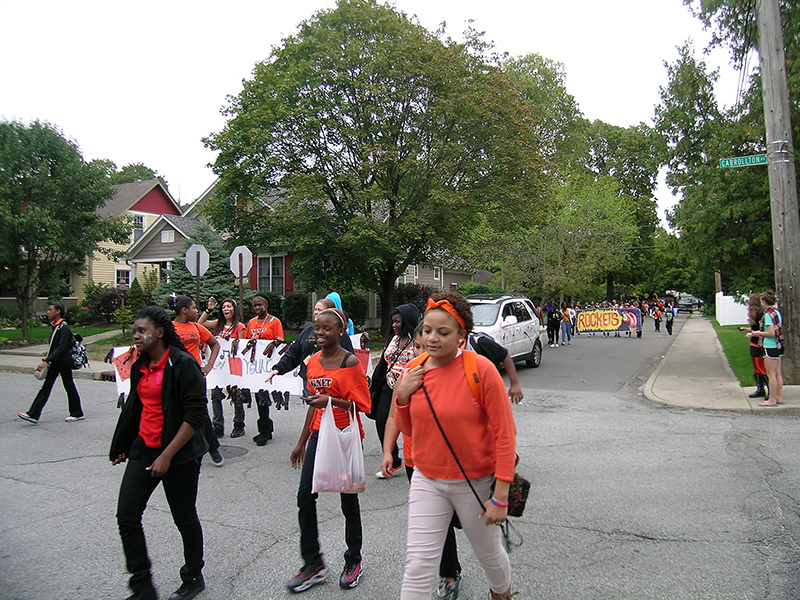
148	592
237	432
189	589
351	574
216	457
219	432
308	576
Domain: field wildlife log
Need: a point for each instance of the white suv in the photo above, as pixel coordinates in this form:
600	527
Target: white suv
512	322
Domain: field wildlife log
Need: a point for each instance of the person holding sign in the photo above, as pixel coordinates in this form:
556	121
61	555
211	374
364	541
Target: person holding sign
263	326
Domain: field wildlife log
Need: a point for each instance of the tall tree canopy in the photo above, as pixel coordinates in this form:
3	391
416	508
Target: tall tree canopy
48	210
383	143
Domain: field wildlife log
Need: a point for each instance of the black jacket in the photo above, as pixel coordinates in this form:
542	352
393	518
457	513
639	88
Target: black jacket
183	398
305	345
60	345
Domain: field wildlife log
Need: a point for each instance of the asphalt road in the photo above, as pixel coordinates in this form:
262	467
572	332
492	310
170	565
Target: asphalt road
630	500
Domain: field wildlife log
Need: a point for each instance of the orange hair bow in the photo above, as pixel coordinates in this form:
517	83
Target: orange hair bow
446	306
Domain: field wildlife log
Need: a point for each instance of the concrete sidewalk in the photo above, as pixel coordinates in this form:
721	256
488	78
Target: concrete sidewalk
25	360
694	373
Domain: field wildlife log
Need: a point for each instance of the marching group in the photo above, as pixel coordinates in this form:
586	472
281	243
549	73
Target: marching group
434	376
561	321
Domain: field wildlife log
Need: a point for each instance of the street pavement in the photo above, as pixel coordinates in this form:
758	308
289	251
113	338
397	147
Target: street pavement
688	491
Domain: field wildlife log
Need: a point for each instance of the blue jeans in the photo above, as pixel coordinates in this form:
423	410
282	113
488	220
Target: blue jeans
180	487
566	333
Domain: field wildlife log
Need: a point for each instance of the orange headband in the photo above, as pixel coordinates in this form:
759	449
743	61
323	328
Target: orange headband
446	306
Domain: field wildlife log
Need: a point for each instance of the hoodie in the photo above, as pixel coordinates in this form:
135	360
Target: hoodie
337	301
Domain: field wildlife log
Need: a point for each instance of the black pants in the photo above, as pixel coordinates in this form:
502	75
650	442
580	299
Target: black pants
56	369
180	488
307	514
381	416
449	567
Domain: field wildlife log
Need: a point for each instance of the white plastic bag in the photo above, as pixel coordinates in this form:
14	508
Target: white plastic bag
339	460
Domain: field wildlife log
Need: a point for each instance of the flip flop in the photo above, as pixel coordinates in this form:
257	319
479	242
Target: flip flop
769	403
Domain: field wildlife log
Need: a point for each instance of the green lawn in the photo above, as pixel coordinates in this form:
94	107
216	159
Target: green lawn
42	333
737	350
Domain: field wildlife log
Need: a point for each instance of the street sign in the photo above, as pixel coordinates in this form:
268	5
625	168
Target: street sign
197	260
241	267
743	161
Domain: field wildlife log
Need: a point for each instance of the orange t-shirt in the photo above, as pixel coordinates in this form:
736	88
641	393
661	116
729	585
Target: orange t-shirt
192	335
482	433
349	383
271	329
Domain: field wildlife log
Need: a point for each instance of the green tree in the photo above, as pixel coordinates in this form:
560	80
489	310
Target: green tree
48	210
135	300
128	173
723	215
366	143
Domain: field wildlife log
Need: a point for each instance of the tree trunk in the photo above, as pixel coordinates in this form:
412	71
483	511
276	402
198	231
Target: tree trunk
23	305
387	302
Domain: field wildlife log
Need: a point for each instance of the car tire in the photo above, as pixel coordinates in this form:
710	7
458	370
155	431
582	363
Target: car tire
536	355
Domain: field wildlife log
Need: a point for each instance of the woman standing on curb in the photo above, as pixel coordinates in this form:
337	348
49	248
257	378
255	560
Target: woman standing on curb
159	434
772	341
334	375
754	315
59	357
482	434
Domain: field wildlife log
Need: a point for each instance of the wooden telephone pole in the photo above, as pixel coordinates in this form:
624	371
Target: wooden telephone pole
782	182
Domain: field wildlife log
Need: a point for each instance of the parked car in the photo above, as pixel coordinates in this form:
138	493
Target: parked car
512	322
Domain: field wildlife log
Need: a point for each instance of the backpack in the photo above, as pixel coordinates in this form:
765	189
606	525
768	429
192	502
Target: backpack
78	353
470	367
777	323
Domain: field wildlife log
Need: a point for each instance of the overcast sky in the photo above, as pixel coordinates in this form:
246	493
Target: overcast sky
144	81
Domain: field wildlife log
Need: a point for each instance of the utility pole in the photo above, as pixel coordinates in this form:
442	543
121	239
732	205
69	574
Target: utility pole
782	182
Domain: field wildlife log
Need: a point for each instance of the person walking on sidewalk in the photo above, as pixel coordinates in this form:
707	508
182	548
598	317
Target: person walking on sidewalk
754	316
159	434
58	362
771	334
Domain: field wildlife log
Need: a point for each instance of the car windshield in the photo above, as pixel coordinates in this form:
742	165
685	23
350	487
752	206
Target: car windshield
484	314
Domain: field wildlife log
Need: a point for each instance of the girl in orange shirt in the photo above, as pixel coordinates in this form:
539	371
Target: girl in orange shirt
482	435
333	374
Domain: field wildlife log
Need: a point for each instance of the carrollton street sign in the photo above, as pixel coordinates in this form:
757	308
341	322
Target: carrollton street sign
743	161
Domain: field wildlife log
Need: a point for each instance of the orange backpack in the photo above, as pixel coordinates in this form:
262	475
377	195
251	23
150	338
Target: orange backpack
470	367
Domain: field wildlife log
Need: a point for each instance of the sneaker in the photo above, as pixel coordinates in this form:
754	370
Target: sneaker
308	576
556	346
216	457
379	474
71	419
350	576
28	418
448	589
237	432
189	589
219	432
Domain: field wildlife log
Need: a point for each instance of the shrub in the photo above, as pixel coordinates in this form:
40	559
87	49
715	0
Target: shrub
84	317
295	310
135	300
414	293
123	317
357	308
101	301
73	312
471	287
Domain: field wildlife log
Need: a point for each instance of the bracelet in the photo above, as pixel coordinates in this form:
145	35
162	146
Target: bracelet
207	311
498	504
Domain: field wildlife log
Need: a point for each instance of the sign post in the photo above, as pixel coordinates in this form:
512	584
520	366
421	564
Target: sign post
197	263
241	262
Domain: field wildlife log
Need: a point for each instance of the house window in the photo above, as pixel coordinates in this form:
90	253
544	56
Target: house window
437	273
453	287
137	226
416	271
270	274
123	278
167	236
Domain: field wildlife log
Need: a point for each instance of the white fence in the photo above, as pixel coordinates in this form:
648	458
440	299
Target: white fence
730	311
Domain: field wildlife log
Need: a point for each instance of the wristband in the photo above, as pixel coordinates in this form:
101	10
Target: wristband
498	504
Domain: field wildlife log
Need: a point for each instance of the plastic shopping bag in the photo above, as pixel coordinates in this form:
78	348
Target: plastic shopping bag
339	461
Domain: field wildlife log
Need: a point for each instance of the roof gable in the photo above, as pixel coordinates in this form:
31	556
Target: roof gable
149	196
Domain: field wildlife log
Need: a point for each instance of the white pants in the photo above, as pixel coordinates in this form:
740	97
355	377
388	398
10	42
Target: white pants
431	503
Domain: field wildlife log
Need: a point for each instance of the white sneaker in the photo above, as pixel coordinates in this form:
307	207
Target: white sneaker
379	474
556	346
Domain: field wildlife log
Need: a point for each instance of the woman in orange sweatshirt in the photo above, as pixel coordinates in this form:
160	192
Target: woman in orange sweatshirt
482	434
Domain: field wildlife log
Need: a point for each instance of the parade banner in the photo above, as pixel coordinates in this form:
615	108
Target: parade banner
243	363
609	319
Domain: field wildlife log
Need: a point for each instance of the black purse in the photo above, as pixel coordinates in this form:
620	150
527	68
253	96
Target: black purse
517	493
